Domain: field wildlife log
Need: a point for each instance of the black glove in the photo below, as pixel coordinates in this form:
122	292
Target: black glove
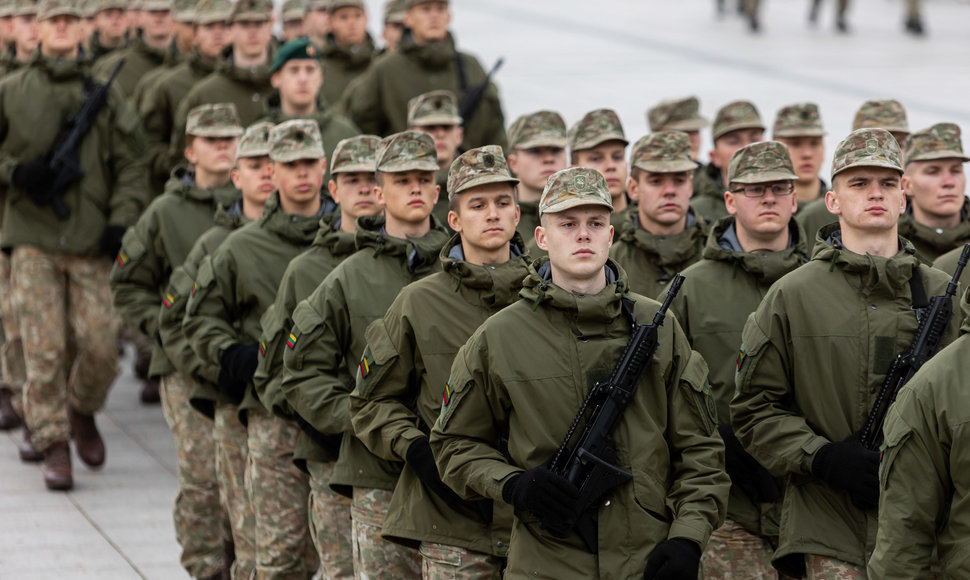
111	240
674	559
849	466
745	470
35	179
237	366
329	443
547	496
421	461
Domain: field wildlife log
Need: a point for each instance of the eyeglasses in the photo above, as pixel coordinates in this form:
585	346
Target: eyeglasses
759	190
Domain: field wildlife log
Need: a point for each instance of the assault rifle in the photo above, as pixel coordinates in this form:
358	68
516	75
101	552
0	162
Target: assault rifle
929	335
471	97
590	465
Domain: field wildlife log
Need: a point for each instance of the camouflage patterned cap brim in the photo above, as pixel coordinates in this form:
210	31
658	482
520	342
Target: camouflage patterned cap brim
407	151
686	125
25	9
543	140
937	155
672	166
941	141
216	132
794	132
867	148
51	8
761	162
293	14
766	176
483	180
157	6
433	119
737	127
408	4
575	202
574	187
307	152
335	4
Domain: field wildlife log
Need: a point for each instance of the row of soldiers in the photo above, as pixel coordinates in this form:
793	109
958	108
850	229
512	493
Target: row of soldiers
311	343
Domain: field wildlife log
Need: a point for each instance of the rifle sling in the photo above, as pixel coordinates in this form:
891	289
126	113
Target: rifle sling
920	302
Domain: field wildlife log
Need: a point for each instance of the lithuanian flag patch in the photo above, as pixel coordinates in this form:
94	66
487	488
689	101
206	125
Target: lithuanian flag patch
122	259
195	286
740	359
262	348
446	394
169	299
292	338
364	367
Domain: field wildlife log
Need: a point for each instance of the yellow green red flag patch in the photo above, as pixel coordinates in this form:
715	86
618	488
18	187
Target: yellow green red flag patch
364	367
292	338
446	394
122	259
170	299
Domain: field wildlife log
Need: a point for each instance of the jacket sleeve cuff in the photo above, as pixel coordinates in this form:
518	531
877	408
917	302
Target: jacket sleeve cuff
696	529
405	440
811	448
498	479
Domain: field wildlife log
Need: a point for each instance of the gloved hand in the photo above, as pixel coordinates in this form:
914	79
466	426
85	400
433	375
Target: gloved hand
111	240
674	559
421	461
849	466
744	469
329	443
547	496
35	179
237	367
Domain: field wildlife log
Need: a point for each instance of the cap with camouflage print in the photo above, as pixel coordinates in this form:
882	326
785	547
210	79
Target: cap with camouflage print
215	120
158	5
394	11
292	10
800	120
480	166
296	139
24	8
335	4
212	11
255	141
407	151
735	116
595	128
676	115
50	8
434	108
89	8
251	11
887	114
408	4
355	155
663	152
185	11
573	187
6	8
941	141
539	129
761	163
867	148
318	5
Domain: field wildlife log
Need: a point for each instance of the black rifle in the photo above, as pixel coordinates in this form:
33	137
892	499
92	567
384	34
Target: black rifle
929	335
590	466
63	160
471	97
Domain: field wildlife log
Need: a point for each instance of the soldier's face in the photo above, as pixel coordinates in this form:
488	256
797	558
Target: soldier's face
486	218
317	22
211	38
534	166
111	24
25	34
663	198
608	158
299	82
578	243
292	29
349	25
447	139
355	194
156	24
392	34
251	38
212	154
806	154
253	176
727	144
60	35
134	19
428	21
936	188
694	137
867	199
5	26
762	217
300	181
408	196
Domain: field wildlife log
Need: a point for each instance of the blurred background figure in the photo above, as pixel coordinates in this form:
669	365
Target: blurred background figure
841	7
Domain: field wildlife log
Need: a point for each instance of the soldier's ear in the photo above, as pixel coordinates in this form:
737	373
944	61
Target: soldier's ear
540	236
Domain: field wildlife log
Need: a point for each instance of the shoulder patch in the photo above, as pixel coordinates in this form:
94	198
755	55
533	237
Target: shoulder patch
170	298
293	337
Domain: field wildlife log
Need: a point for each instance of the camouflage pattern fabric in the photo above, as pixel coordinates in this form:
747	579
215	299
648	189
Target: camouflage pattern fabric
61	296
594	128
12	365
279	493
663	152
394	11
572	187
185	11
374	557
800	120
434	108
676	115
734	553
539	129
867	148
232	456
407	151
209	11
735	116
887	114
51	8
251	11
200	520
824	568
355	154
215	120
330	525
479	167
760	163
441	562
292	10
941	141
296	139
255	141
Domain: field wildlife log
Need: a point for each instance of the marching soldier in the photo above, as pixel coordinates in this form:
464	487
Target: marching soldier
436	113
597	141
150	49
349	49
292	14
393	25
23	37
799	127
110	28
679	115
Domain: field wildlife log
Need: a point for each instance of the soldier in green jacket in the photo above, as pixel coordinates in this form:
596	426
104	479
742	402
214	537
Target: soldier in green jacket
110	28
922	484
53	258
147	51
664	235
799	127
520	380
324	346
597	141
393	28
352	187
745	254
292	14
682	114
425	60
23	37
436	113
815	353
937	218
349	49
737	124
409	354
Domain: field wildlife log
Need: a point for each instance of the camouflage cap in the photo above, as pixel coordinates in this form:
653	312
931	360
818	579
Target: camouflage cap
255	141
476	167
292	10
760	163
408	4
215	120
251	11
158	5
867	148
573	187
296	139
335	4
887	114
89	8
434	108
407	151
24	8
318	5
800	120
355	155
941	141
185	11
6	8
211	11
134	6
394	11
676	115
735	116
539	129
51	8
663	152
296	49
594	128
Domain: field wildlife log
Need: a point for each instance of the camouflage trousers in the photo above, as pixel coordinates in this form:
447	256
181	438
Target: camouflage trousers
279	493
733	553
330	526
11	348
69	330
442	562
201	523
375	558
825	568
232	456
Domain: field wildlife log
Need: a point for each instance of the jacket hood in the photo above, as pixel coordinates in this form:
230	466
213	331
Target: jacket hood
870	274
257	76
722	246
353	57
330	236
182	184
299	230
230	215
431	56
665	250
419	253
60	69
497	285
940	239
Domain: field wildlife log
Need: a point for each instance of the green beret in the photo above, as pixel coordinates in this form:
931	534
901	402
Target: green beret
300	49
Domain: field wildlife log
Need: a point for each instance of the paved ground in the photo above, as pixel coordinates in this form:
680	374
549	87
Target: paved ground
567	55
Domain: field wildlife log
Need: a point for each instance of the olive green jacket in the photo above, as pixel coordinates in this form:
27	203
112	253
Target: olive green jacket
923	479
813	356
525	373
9	63
931	243
718	294
140	59
327	339
708	199
948	263
651	261
379	100
813	217
158	243
409	355
341	65
95	50
34	102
